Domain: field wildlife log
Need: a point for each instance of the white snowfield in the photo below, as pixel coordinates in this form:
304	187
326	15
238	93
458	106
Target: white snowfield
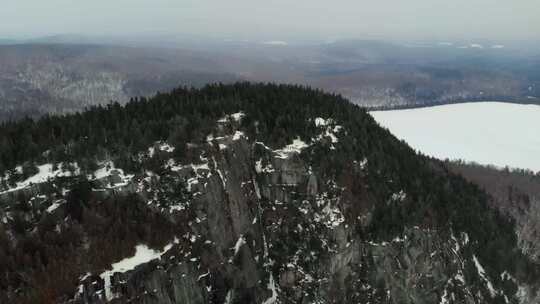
491	133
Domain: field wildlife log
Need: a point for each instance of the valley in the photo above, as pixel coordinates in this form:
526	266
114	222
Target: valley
65	76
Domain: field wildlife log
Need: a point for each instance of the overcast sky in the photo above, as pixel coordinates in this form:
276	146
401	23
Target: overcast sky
276	19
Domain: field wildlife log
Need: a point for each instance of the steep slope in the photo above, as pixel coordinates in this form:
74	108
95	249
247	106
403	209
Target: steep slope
243	194
515	193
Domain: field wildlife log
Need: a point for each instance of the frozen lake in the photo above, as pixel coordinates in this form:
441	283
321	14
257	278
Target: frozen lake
496	133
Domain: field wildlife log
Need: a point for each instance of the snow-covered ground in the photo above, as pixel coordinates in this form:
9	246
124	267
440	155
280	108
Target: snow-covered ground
496	133
45	172
143	254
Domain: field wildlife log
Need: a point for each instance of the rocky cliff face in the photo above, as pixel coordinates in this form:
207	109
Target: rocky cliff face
255	224
262	227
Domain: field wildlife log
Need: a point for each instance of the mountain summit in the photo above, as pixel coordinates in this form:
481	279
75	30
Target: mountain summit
245	193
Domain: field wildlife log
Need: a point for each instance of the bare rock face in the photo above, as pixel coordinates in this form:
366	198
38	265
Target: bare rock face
265	228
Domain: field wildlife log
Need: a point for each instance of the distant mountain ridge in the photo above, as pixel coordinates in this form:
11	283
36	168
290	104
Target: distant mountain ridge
42	78
62	74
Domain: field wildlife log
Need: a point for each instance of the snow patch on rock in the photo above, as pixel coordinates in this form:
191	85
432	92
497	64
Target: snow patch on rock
108	169
482	274
143	254
272	287
54	206
399	196
45	174
160	146
329	130
232	117
239	243
295	148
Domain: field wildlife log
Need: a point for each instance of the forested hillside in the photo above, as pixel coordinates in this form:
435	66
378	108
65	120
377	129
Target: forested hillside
41	78
244	193
515	192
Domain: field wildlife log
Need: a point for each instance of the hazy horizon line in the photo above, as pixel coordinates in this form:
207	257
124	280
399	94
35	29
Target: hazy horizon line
298	39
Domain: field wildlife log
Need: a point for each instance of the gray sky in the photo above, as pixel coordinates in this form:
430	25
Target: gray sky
277	19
